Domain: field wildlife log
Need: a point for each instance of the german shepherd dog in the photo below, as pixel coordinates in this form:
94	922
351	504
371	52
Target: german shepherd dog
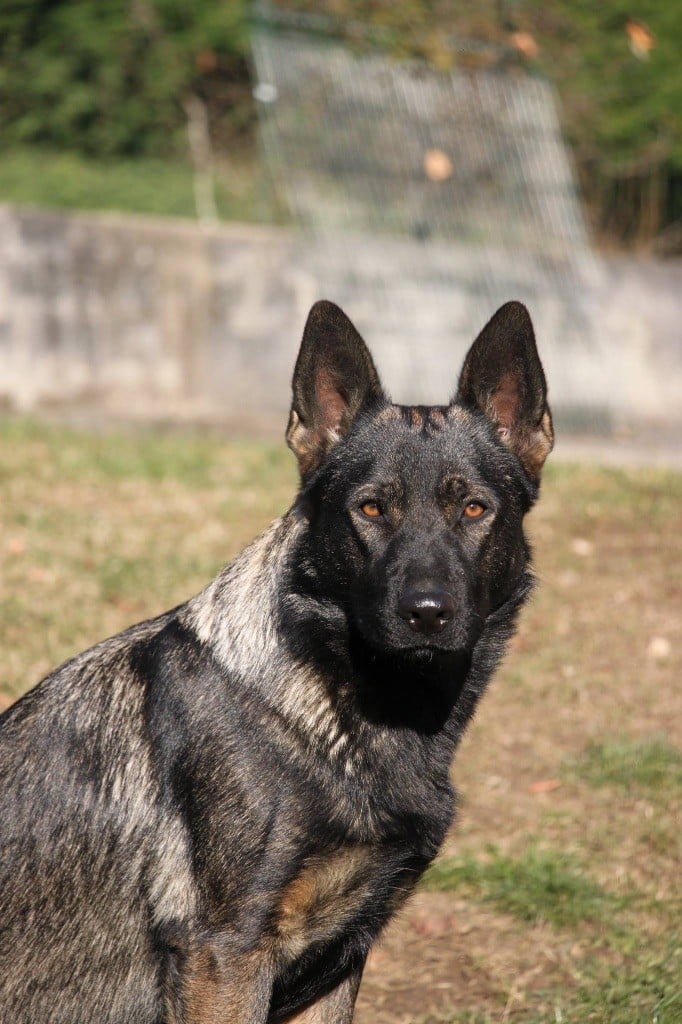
209	818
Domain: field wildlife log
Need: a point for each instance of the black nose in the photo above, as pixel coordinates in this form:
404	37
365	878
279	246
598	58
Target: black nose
426	611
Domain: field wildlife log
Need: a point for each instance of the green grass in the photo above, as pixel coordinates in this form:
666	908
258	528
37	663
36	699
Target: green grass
608	496
646	989
646	992
652	764
43	177
192	459
538	885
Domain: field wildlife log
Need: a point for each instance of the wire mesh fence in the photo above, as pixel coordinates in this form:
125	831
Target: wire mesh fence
428	198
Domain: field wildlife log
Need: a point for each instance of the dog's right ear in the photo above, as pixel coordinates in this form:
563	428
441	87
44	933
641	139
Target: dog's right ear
334	380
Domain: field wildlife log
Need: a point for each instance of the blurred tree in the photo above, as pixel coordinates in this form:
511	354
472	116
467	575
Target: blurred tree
618	69
113	76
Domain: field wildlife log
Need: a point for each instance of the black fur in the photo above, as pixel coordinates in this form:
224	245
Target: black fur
212	816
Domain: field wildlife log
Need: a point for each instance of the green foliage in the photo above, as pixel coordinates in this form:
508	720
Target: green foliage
110	77
617	107
539	885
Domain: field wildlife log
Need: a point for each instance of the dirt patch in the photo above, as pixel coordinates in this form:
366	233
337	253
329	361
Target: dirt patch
445	955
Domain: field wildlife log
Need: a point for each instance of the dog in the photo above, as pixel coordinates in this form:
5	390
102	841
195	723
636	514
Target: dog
209	818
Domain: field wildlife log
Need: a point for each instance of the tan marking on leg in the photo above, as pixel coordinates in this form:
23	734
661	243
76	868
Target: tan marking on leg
218	987
336	1007
322	897
416	417
297	899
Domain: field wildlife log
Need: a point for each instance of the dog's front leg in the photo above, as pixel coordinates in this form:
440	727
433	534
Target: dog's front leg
219	985
336	1007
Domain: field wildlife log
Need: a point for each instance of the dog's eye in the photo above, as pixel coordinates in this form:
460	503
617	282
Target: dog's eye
371	509
474	510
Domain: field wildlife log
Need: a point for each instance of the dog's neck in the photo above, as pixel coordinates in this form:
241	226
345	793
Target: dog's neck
236	614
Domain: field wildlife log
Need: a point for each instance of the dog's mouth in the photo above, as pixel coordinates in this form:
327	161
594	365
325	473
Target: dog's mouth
385	643
424	653
433	654
394	641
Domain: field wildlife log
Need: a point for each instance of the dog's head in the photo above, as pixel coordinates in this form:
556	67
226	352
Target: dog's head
415	513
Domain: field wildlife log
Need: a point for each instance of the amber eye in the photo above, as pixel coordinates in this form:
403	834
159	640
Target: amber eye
371	509
474	510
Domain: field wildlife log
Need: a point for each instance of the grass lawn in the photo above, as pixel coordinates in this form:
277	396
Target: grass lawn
44	177
557	898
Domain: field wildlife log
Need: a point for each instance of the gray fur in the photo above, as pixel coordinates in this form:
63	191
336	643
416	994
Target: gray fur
211	816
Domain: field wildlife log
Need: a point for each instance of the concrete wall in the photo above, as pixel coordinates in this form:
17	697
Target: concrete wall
147	318
140	318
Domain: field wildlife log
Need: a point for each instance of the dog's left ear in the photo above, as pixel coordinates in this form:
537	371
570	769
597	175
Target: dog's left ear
334	380
503	377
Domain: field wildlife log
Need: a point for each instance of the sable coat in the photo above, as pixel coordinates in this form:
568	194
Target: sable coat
211	816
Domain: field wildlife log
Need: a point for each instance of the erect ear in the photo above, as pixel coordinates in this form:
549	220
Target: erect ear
333	380
503	377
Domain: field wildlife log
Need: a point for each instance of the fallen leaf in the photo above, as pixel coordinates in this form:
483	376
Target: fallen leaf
437	165
206	61
434	924
544	786
525	43
641	40
659	648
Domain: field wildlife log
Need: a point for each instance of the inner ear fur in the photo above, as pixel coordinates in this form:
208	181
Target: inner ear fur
503	378
334	379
